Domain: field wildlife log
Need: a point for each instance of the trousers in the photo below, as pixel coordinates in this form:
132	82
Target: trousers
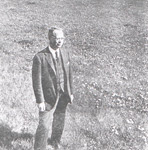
51	122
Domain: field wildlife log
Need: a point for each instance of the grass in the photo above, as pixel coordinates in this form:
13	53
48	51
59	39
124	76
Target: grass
108	41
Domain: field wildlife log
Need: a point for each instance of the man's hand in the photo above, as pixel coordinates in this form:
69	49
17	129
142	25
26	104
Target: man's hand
41	106
71	98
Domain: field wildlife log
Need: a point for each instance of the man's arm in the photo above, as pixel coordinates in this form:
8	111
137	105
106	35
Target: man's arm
71	79
36	79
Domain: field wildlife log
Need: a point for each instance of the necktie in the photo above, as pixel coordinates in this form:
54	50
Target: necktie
57	71
57	58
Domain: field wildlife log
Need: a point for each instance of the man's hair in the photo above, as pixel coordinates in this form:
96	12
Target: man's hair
51	31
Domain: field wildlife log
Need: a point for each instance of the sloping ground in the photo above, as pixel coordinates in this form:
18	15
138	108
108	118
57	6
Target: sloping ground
108	41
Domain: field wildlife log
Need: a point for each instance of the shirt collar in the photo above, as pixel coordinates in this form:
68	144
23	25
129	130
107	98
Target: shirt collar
53	52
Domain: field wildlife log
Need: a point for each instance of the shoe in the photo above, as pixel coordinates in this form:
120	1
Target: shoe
54	144
57	146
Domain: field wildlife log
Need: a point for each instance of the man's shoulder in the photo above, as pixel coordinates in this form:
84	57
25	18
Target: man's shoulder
42	52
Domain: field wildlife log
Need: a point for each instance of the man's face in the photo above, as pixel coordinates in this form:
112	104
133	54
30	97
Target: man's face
57	40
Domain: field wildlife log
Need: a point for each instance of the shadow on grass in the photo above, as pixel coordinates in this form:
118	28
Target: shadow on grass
7	136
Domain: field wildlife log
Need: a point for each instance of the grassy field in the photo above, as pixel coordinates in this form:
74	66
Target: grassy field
108	40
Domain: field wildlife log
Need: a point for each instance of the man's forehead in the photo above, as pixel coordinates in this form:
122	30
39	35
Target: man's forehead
58	33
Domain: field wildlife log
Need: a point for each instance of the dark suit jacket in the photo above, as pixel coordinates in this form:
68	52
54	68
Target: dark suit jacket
44	77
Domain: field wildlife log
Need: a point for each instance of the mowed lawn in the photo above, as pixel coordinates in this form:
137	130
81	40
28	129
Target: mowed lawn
108	44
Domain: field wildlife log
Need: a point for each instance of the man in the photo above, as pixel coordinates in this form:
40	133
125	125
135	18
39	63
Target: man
52	84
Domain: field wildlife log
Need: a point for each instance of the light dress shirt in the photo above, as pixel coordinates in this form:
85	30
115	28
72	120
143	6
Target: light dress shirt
53	52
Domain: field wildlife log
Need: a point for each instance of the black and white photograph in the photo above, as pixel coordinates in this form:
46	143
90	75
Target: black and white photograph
74	75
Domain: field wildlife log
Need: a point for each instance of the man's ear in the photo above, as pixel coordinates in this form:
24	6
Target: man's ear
51	39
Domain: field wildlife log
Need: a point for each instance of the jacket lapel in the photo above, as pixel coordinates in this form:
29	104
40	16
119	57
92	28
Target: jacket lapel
64	58
50	59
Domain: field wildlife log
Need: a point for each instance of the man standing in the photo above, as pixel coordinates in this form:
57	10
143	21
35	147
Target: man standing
52	84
